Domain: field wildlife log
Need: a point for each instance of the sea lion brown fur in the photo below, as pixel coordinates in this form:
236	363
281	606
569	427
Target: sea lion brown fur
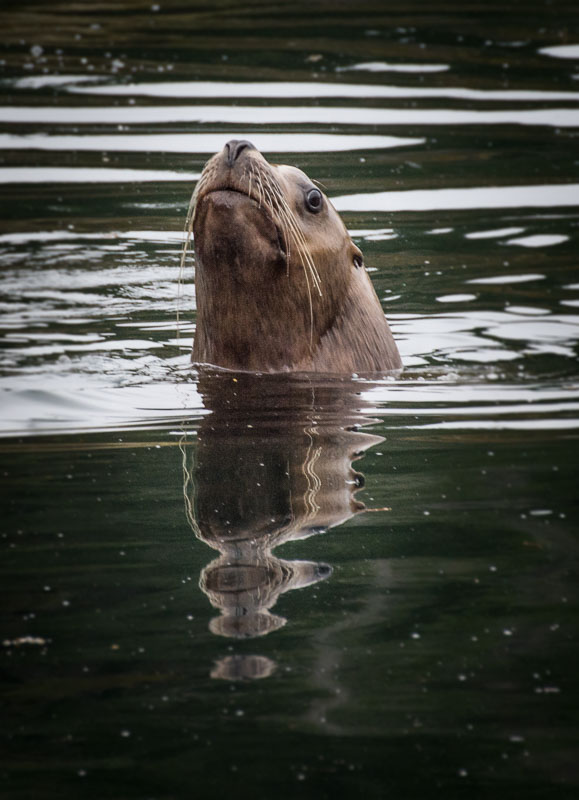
280	285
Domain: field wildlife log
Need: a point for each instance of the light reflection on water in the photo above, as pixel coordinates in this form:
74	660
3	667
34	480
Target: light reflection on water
317	89
128	280
291	115
473	197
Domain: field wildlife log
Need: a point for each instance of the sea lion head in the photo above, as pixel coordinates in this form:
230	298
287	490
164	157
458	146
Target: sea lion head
275	267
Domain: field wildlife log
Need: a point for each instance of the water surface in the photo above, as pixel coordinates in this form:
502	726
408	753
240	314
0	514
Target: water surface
290	587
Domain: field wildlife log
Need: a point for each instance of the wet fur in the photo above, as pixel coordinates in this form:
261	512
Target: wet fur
279	288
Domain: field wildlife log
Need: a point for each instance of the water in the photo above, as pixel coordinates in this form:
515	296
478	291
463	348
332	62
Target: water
290	587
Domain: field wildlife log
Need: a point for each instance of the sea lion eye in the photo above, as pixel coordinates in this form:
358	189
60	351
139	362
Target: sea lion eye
314	201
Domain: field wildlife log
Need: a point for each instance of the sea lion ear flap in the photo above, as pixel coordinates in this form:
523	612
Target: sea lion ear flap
357	256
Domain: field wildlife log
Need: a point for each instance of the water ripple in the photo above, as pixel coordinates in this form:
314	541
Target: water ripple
205	143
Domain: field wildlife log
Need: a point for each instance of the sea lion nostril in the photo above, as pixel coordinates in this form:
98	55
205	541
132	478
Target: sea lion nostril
234	148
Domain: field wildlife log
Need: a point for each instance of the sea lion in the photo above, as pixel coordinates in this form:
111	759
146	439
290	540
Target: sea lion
280	285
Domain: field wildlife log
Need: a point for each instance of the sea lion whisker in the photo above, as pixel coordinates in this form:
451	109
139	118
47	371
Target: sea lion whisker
306	260
286	213
288	220
311	306
303	250
300	240
268	193
291	233
188	230
249	182
274	208
259	188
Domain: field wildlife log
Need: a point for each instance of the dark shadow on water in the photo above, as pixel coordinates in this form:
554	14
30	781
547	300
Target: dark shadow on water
272	464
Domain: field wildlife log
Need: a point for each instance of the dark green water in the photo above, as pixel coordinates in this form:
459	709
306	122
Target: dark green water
281	588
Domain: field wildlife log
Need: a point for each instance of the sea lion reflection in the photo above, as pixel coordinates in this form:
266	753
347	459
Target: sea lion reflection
272	464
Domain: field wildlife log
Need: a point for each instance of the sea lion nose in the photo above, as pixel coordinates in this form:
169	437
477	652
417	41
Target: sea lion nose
234	148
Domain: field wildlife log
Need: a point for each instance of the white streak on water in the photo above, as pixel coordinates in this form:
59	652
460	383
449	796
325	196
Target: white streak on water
363	232
31	336
540	240
89	175
424	394
562	51
484	411
495	234
46	81
502	425
456	298
383	66
123	345
279	89
57	236
537	331
500	279
380	237
282	115
204	143
528	311
536	196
